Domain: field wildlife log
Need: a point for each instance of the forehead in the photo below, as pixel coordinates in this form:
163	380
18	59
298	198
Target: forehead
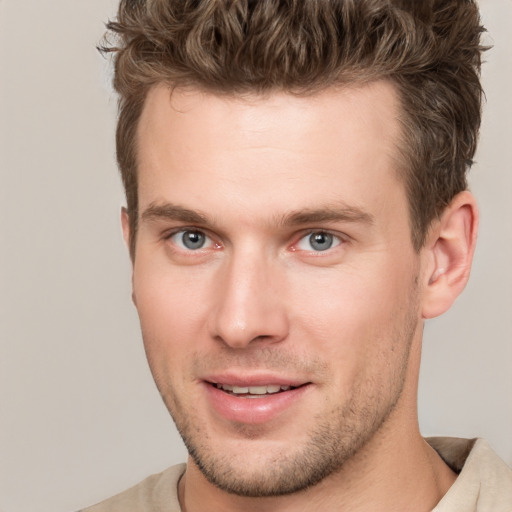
278	148
359	109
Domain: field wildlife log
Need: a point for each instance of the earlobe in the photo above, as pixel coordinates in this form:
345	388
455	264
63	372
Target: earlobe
450	248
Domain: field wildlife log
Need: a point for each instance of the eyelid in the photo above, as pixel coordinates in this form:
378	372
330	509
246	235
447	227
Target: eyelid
209	243
339	238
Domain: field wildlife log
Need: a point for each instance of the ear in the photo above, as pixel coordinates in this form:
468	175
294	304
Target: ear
449	253
125	223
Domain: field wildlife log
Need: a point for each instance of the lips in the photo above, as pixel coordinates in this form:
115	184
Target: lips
253	391
253	400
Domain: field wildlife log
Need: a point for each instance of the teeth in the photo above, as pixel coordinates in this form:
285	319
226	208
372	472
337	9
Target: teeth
252	390
258	390
225	387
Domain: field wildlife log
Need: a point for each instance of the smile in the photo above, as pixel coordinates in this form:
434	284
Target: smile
252	391
253	400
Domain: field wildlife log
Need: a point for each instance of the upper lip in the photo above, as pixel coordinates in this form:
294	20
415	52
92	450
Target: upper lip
246	380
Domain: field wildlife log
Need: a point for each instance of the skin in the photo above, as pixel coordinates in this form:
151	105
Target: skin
256	176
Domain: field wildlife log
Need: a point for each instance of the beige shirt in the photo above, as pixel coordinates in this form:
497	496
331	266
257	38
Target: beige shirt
484	483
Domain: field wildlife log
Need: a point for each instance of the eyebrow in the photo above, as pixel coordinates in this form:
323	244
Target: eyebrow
170	211
331	213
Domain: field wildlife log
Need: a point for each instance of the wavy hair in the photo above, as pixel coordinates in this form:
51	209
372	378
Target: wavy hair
429	49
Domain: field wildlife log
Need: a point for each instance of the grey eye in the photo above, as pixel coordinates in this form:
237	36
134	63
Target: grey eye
318	241
321	241
191	240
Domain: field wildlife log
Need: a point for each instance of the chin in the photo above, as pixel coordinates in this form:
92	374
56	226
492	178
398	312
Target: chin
256	467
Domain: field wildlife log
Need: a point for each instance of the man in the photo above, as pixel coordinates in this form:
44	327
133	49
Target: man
296	209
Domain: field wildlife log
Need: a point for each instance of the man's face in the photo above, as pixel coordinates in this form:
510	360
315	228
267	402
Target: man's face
275	278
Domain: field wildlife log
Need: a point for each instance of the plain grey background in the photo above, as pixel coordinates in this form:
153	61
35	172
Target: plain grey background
80	417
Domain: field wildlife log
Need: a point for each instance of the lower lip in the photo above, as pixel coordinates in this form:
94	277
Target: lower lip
253	411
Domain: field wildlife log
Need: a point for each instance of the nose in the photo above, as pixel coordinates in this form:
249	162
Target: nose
250	304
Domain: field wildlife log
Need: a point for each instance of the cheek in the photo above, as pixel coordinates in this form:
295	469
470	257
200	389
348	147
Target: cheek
352	316
343	299
171	309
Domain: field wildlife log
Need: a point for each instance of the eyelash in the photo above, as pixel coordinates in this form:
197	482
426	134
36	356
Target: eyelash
183	231
336	240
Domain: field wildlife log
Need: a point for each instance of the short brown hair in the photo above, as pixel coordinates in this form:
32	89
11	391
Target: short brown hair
430	50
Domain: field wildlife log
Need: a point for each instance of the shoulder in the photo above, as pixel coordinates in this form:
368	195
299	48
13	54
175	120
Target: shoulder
484	482
156	493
